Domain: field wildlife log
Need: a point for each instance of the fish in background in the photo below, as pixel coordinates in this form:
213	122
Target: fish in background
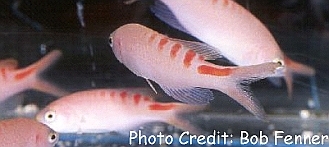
13	80
233	31
112	110
24	132
181	70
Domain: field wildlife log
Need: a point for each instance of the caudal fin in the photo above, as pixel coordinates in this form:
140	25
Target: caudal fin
46	61
293	68
40	66
238	88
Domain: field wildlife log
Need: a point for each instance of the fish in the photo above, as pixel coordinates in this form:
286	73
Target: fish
181	68
25	132
14	80
231	29
112	110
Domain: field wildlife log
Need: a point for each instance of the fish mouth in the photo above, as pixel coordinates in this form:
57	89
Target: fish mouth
40	118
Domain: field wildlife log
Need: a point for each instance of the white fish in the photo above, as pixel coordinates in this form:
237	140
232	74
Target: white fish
24	132
13	80
231	29
181	69
107	110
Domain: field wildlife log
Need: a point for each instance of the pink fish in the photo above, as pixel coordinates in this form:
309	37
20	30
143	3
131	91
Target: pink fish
13	80
181	69
106	110
23	132
232	30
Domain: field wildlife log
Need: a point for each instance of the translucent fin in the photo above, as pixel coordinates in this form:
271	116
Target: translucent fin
45	62
243	96
151	85
162	11
238	88
49	88
40	66
207	51
9	63
276	81
129	2
295	67
190	95
288	77
314	92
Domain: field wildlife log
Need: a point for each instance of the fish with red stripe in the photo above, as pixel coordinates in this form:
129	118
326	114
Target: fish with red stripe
232	30
13	80
181	67
107	110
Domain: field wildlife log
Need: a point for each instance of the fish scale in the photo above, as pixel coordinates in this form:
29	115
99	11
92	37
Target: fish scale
180	67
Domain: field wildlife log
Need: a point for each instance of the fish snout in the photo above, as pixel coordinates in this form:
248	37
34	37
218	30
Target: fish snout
46	116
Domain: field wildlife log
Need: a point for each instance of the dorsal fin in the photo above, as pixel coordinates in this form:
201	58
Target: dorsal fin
207	51
162	11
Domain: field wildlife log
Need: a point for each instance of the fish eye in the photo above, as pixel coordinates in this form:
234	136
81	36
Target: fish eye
53	137
110	41
50	116
280	61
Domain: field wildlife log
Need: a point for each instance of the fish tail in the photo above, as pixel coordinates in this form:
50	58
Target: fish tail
292	68
248	74
37	68
237	86
45	62
50	88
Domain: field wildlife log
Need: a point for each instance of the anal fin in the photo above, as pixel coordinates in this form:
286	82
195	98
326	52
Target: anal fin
197	96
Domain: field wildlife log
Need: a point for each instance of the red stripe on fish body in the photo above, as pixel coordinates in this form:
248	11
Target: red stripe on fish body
174	50
123	96
189	56
24	74
137	98
162	43
4	74
208	70
161	107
